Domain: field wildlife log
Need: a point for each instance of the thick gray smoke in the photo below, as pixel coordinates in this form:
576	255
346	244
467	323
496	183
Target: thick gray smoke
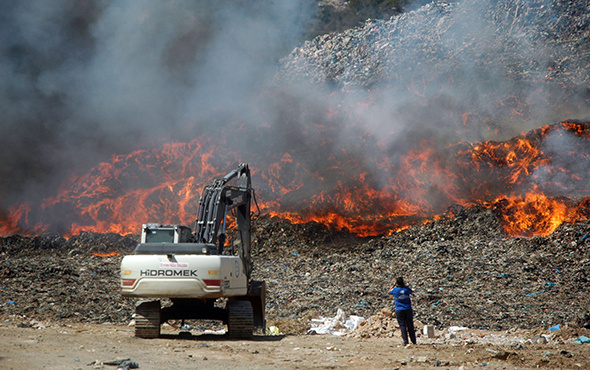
83	80
498	61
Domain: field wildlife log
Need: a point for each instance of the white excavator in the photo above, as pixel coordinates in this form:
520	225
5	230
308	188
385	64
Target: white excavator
195	270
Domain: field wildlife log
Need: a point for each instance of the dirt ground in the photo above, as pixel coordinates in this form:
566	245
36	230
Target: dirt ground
60	305
87	346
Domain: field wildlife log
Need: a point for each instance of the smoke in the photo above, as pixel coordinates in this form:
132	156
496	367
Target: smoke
84	80
450	72
475	71
567	172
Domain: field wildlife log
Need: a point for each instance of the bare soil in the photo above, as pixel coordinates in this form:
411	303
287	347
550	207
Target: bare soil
86	346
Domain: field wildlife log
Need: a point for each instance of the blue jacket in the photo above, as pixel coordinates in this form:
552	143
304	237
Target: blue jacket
402	298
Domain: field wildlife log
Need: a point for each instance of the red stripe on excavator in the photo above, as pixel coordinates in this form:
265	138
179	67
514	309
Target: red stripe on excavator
212	282
127	282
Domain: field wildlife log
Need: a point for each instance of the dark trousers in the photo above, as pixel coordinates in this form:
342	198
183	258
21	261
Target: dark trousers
405	319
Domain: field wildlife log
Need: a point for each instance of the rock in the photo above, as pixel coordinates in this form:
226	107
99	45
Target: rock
539	339
387	312
421	359
499	354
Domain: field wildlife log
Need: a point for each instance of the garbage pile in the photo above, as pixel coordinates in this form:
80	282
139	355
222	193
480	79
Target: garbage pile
381	324
464	272
531	40
50	278
463	269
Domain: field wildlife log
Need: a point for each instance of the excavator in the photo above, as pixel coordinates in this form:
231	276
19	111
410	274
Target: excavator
197	273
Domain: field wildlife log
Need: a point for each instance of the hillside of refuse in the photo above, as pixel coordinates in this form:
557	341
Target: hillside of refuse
463	269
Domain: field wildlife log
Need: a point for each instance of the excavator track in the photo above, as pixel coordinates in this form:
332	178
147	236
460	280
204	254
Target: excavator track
240	319
147	319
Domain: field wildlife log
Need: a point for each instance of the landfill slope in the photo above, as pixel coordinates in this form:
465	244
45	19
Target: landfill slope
518	40
464	271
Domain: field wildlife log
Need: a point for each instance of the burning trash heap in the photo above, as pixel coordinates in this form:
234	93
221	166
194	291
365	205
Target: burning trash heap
491	233
398	131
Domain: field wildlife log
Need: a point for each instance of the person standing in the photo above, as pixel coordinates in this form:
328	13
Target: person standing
403	310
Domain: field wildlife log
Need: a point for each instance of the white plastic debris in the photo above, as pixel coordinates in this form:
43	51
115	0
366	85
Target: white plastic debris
273	330
337	325
454	329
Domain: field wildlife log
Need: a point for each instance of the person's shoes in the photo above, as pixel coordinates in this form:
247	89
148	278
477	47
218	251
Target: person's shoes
407	345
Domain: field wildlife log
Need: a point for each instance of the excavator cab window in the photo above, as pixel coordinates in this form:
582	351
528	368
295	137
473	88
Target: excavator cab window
185	235
159	236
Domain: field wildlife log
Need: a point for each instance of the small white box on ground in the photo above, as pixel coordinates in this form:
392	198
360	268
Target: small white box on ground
450	336
429	331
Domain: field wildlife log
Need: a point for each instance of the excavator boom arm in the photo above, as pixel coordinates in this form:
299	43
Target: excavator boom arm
216	201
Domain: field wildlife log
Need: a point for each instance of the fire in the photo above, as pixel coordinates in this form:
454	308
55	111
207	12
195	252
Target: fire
9	224
523	180
519	156
111	254
533	214
429	180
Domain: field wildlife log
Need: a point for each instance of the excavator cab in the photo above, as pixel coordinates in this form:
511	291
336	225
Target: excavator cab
158	233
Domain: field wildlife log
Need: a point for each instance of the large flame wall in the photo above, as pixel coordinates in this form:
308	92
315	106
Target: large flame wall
532	183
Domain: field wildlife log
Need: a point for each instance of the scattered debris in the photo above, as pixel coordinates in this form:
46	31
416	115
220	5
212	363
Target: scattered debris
123	364
337	325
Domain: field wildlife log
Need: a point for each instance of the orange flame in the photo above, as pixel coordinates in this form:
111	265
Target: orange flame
339	189
111	254
535	214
